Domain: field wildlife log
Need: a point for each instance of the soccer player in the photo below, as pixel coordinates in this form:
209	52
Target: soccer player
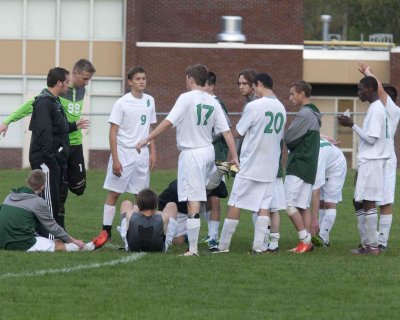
72	103
327	191
373	152
216	188
194	115
302	140
388	96
262	125
245	84
145	229
49	148
23	209
213	212
130	120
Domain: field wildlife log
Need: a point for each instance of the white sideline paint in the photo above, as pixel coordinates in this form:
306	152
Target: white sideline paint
127	259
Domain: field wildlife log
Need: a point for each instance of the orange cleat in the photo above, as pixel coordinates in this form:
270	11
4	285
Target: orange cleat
302	247
100	240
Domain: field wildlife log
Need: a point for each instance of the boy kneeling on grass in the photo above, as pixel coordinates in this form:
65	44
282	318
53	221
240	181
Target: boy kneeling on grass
24	210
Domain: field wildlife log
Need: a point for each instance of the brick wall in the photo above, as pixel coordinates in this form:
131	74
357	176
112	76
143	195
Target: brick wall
264	21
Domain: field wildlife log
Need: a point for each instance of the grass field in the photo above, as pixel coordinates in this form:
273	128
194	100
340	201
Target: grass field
328	283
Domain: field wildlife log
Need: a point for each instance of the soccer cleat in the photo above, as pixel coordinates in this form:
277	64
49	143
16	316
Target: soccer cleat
205	239
317	240
108	229
302	247
100	240
212	243
382	247
255	252
269	251
217	250
366	250
190	254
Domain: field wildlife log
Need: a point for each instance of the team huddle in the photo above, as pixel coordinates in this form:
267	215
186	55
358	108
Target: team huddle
210	149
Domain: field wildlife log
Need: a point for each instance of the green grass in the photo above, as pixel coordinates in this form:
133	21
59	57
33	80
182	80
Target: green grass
328	283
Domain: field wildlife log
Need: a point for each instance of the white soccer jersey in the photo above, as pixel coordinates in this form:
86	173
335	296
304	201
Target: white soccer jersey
331	163
133	116
375	125
393	115
262	124
194	115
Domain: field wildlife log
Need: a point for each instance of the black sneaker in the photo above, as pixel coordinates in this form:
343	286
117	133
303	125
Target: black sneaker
382	247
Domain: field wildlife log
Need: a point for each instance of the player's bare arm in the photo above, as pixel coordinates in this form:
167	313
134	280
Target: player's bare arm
163	126
231	145
153	153
116	167
366	70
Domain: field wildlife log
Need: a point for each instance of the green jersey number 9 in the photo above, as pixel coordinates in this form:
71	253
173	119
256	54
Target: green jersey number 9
143	119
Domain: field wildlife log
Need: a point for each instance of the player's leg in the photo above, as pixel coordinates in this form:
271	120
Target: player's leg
215	213
327	221
260	230
109	211
76	170
193	225
273	244
127	209
63	195
169	215
230	223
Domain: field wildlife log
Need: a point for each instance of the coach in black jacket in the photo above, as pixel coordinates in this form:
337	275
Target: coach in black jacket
49	147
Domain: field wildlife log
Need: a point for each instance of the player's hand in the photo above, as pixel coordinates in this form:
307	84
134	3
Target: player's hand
152	160
79	243
141	144
3	129
235	161
314	226
345	121
83	123
117	168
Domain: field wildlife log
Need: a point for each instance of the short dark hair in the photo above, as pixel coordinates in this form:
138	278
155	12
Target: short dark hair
369	82
265	79
84	65
132	71
199	73
55	75
36	179
147	199
212	78
391	91
248	74
302	86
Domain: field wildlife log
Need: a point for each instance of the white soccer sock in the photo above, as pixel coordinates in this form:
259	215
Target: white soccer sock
69	247
108	215
172	223
207	216
260	230
213	228
361	226
193	230
227	232
321	215
304	236
274	243
89	246
371	221
123	230
327	224
254	216
385	222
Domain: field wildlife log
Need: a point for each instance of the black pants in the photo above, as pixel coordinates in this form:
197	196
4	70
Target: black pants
74	178
52	192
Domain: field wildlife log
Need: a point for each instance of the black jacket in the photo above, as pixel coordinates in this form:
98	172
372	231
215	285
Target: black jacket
50	128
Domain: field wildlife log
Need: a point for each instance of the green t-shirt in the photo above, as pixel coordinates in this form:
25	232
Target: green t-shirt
72	103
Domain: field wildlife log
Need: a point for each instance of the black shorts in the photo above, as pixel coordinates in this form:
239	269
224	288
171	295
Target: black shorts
76	171
221	191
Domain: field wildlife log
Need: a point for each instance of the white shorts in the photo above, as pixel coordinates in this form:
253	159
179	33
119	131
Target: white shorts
370	181
390	182
278	196
135	175
181	225
194	168
251	195
43	245
298	193
331	191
